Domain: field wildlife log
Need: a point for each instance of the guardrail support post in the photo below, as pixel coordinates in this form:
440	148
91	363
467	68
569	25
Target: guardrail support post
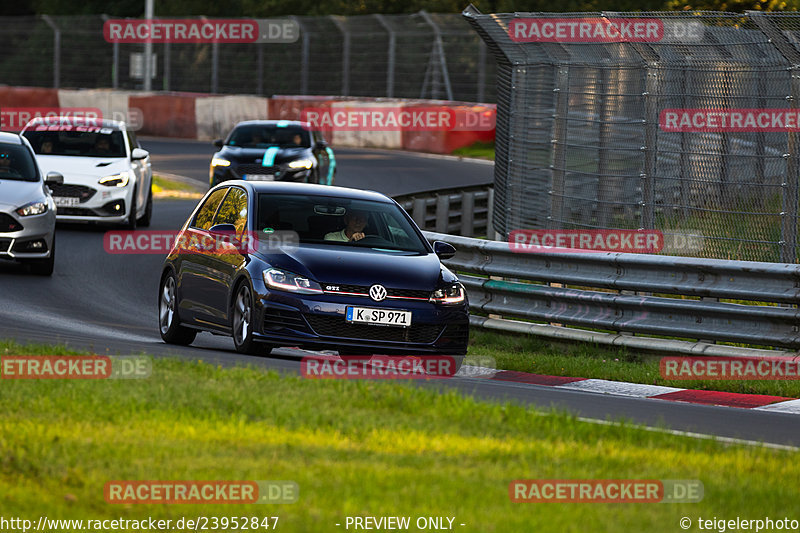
56	50
468	214
442	213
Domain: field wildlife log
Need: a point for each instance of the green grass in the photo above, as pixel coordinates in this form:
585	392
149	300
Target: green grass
480	150
526	353
354	448
161	183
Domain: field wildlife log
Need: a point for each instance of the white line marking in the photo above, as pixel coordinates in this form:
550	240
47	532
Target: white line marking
619	388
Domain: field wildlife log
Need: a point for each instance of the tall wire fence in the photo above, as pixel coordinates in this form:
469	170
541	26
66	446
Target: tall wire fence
422	55
661	132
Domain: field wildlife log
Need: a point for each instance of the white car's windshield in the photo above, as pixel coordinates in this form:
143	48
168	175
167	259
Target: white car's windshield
97	142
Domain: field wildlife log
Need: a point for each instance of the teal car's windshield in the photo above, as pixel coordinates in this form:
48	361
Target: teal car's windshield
264	136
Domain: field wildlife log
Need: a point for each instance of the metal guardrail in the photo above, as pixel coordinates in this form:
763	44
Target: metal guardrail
614	291
465	211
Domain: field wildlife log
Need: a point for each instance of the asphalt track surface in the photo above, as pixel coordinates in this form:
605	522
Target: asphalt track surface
107	303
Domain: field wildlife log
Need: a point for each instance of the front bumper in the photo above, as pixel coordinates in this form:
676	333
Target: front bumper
318	322
94	202
19	245
244	172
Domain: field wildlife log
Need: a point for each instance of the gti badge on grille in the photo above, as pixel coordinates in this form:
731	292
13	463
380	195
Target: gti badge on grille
377	292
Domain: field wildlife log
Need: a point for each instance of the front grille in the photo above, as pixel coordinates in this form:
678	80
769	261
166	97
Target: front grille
76	212
275	319
256	169
8	223
4	244
335	326
67	190
364	290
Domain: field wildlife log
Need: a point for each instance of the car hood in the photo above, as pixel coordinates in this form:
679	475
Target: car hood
14	194
332	264
88	167
256	155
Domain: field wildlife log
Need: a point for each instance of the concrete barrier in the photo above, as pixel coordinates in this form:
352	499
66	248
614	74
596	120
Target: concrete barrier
217	115
167	114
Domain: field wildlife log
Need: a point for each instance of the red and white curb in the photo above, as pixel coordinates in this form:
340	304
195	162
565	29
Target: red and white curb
760	402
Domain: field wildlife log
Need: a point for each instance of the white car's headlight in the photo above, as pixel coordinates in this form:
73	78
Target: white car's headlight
451	295
219	162
301	163
116	180
287	281
33	208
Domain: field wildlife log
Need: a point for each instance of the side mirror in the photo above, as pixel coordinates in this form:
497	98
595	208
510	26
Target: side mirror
320	145
222	230
443	250
139	154
54	178
219	143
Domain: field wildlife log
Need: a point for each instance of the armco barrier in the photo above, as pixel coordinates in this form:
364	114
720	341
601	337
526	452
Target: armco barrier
616	293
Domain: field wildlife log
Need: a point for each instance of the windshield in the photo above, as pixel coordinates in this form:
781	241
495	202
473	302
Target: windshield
96	142
16	163
264	136
339	222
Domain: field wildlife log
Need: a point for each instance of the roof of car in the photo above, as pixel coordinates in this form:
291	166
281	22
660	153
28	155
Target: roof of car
287	187
10	138
274	123
78	121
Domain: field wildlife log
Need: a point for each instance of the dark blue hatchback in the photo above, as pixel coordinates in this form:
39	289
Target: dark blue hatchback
312	266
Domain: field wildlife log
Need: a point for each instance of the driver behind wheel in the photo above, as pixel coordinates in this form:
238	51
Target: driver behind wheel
354	224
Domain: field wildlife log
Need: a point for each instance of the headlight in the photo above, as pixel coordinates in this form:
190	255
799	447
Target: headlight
286	281
33	208
219	162
301	163
452	295
117	180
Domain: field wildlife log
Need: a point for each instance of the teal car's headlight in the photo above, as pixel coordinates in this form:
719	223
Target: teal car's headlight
287	281
301	163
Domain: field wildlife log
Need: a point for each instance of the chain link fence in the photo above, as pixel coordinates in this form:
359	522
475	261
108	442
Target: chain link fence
422	55
662	131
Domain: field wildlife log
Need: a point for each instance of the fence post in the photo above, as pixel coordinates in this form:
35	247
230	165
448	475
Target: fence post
559	150
305	54
56	50
391	58
789	185
345	53
439	48
468	214
167	68
115	59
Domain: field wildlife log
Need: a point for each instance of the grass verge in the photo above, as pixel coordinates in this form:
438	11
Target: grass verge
531	354
169	188
354	448
479	150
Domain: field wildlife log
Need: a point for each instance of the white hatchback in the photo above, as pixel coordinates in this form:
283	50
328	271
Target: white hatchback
107	176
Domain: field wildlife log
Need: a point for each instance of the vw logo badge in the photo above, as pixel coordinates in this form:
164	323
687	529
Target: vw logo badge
377	293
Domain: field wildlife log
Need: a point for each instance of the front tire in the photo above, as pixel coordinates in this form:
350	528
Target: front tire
148	211
130	225
168	321
242	323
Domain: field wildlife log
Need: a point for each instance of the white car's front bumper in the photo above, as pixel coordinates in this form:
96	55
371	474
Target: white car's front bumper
78	201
